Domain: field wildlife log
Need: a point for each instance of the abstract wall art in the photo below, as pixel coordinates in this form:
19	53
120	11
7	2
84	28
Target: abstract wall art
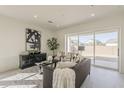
33	40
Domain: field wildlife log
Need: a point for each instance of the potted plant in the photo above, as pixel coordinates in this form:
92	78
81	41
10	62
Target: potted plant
53	45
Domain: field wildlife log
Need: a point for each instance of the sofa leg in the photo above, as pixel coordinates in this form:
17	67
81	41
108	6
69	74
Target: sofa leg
89	73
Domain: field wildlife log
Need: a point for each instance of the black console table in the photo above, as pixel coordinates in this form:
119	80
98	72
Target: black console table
30	59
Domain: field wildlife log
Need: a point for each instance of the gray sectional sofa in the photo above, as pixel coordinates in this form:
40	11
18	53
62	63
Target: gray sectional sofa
82	69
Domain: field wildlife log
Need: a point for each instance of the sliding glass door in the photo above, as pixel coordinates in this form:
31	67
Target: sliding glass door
85	47
100	47
106	49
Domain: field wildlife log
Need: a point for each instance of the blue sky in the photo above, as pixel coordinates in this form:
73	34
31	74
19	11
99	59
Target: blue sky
101	37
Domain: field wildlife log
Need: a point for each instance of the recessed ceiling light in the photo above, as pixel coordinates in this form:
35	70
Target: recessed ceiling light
93	14
35	16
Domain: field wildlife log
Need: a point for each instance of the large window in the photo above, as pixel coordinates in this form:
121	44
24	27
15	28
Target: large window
106	49
82	44
86	45
100	47
73	44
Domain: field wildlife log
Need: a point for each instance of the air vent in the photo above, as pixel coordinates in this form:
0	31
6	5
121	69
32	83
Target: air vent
50	21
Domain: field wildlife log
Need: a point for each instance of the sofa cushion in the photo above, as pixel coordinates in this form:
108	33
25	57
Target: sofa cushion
65	64
81	69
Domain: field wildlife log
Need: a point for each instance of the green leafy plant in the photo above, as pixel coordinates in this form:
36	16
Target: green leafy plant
53	44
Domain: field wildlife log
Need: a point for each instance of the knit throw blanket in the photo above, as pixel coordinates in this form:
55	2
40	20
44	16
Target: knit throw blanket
63	78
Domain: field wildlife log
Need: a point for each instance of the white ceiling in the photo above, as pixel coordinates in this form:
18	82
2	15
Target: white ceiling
61	16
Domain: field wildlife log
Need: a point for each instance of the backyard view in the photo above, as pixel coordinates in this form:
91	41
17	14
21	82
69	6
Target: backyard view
104	48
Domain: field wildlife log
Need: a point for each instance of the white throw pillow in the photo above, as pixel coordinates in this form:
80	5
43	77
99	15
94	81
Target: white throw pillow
65	64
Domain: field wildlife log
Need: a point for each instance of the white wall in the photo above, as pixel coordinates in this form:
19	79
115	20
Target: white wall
98	24
12	41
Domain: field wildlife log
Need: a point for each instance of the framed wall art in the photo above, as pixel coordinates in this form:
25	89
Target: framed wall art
33	40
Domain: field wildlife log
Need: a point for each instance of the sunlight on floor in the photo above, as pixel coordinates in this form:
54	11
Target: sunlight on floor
22	79
19	76
35	77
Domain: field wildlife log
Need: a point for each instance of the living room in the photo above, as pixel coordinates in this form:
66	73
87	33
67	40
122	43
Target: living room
71	29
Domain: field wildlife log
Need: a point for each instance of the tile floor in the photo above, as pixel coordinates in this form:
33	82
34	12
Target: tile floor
104	78
30	78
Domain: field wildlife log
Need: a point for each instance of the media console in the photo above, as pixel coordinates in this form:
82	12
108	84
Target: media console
30	59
